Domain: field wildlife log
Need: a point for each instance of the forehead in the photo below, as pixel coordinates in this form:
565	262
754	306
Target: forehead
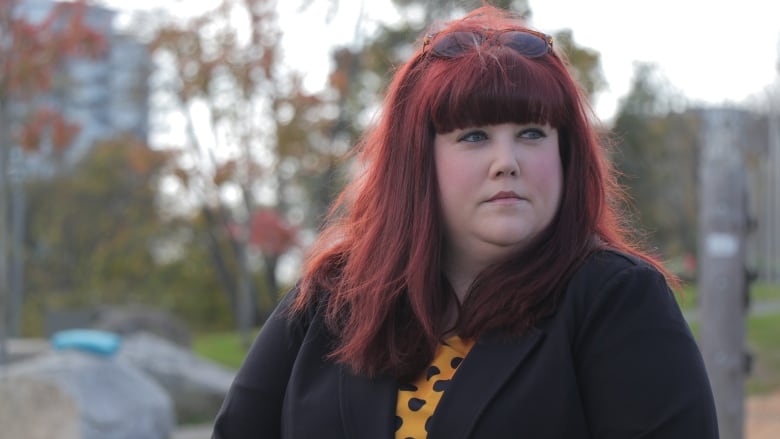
488	88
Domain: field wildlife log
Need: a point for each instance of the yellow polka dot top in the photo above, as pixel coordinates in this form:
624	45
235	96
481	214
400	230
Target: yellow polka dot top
417	401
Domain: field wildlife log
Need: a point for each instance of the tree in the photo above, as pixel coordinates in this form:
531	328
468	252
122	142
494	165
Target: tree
95	235
585	63
102	234
260	147
30	54
656	154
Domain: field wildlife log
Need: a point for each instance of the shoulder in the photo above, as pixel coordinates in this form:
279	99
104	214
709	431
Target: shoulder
604	264
607	267
637	361
614	300
613	280
298	312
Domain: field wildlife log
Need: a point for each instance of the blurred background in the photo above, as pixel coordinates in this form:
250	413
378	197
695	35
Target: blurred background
164	164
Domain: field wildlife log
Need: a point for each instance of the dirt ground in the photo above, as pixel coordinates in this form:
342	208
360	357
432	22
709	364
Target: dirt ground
762	417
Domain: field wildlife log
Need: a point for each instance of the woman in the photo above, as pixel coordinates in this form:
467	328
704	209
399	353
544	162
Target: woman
481	238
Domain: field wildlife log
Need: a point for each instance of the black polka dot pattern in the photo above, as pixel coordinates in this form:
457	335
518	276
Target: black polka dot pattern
441	385
417	401
416	404
456	362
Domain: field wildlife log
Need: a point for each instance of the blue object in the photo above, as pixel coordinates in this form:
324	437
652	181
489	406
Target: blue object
89	340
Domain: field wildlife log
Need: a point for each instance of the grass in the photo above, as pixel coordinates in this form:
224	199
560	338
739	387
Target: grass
763	292
225	348
763	334
759	292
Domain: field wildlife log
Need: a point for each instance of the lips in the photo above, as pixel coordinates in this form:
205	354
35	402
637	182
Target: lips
505	195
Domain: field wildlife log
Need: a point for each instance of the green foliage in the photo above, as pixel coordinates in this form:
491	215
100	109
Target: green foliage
657	158
585	63
97	236
93	228
90	230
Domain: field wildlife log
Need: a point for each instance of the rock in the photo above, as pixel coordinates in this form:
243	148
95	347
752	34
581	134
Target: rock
55	320
132	319
33	408
26	348
114	399
196	386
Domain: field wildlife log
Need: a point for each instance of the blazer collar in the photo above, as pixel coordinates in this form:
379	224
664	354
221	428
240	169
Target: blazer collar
483	373
368	405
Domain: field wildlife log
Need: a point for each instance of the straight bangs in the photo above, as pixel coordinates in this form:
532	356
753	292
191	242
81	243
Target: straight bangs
494	86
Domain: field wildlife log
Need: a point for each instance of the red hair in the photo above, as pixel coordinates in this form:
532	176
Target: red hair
376	264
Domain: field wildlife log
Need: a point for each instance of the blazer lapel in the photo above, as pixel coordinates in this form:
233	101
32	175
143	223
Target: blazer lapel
480	376
367	406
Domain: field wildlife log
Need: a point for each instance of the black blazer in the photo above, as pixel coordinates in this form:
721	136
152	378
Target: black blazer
616	360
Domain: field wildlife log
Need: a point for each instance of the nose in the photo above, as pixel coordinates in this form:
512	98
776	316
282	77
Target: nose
505	160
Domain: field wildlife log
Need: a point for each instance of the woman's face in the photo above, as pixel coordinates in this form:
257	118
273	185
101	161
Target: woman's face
499	186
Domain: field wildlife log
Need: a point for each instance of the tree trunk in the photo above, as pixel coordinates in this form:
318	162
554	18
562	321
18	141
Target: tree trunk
722	279
5	146
17	254
217	255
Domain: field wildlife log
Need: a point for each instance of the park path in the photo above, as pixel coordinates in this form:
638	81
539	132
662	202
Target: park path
762	417
192	432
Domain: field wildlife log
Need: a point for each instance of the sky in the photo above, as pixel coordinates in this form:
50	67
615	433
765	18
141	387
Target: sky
713	52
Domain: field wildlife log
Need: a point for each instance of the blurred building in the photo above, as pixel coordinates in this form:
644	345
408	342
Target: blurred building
104	97
761	149
766	205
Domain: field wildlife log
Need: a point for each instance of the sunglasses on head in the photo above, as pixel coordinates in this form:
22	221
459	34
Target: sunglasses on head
528	43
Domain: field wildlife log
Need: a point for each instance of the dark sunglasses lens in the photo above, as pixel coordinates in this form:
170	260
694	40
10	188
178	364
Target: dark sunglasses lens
524	43
456	43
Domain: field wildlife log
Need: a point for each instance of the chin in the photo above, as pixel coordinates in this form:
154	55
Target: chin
509	235
511	243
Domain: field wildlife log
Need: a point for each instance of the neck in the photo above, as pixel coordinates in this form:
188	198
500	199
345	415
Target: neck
461	275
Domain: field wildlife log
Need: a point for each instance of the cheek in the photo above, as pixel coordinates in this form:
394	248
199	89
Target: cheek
456	181
451	173
548	177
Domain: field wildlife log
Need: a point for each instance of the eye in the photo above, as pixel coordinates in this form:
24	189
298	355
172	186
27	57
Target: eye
473	136
532	133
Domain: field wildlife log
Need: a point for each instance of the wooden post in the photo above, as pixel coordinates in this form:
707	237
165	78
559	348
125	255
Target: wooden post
5	146
771	222
722	283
